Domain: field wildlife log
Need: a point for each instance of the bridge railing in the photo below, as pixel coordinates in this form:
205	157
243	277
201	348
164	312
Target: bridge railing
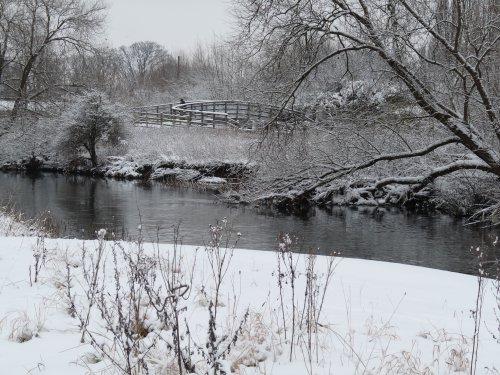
226	113
178	118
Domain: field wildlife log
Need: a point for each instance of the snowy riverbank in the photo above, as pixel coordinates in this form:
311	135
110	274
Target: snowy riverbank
215	158
182	154
376	318
12	224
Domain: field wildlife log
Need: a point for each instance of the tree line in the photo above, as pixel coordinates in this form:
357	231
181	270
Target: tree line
50	49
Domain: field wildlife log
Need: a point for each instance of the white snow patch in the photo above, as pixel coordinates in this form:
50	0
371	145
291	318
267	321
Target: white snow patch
391	315
212	180
179	173
121	167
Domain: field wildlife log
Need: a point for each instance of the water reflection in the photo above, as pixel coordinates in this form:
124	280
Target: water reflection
84	205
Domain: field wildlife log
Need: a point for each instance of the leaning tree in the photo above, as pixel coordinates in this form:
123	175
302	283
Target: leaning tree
443	53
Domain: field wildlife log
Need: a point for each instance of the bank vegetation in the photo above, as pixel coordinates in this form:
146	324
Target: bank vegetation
400	100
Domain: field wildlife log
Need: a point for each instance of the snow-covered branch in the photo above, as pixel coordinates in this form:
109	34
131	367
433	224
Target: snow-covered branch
422	181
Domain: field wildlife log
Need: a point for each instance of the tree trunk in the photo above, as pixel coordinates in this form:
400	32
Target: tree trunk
22	91
92	146
93	157
2	63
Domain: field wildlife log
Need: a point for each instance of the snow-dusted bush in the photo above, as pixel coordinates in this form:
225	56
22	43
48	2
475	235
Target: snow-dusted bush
92	122
366	94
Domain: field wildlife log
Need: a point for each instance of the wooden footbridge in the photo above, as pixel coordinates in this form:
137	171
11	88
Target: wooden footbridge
222	113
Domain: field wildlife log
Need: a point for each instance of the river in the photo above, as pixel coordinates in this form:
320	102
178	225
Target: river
83	205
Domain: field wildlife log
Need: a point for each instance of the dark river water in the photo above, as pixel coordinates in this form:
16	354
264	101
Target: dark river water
83	205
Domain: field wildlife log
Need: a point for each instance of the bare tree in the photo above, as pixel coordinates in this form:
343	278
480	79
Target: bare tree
8	14
141	59
443	53
101	69
44	27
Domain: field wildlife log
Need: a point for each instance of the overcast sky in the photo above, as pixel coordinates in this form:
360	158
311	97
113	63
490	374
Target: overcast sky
176	24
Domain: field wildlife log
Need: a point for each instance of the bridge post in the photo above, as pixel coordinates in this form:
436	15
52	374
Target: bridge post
213	116
192	114
202	115
161	118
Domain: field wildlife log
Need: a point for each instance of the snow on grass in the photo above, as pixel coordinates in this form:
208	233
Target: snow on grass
181	174
212	180
144	145
14	226
377	318
190	144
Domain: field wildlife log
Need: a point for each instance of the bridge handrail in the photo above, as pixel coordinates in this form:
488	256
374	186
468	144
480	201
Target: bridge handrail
233	112
267	106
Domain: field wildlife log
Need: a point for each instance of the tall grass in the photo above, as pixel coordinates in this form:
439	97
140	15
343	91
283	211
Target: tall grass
190	144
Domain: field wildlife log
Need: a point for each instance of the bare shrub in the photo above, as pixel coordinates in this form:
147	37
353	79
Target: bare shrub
167	294
92	264
314	298
39	256
125	310
219	250
305	323
286	275
478	310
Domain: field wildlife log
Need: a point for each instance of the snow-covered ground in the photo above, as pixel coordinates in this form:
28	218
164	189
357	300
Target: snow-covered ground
376	318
